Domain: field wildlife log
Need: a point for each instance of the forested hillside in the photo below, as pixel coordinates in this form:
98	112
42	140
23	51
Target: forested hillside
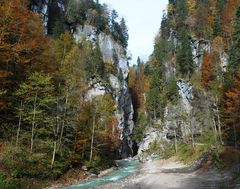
189	89
52	118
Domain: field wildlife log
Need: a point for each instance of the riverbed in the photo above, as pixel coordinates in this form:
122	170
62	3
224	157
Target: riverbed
158	174
125	169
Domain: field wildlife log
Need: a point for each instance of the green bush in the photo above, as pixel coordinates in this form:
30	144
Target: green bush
185	153
7	183
165	149
188	154
38	165
140	126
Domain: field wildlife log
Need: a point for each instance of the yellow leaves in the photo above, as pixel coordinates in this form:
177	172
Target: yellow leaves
191	6
63	45
170	8
218	45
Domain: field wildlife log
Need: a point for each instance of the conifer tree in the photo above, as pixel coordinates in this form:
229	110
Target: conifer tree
184	59
181	13
155	96
234	52
217	27
124	33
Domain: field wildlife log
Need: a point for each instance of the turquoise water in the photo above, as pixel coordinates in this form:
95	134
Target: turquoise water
126	168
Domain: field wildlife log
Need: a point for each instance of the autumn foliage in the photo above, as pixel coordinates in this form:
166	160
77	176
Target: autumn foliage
208	69
228	16
232	103
138	83
22	41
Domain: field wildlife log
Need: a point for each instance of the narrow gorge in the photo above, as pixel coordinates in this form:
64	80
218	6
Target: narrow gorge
78	109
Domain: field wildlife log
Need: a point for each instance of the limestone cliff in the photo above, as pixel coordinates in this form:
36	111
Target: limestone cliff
112	53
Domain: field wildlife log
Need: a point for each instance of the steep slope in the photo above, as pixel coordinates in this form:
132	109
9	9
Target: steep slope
188	75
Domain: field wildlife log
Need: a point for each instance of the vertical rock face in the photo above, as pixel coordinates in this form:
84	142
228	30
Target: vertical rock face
199	46
183	115
185	91
119	87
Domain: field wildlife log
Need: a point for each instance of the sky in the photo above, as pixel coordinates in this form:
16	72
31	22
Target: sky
143	18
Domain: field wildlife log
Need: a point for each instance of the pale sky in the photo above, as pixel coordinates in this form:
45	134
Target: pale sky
143	18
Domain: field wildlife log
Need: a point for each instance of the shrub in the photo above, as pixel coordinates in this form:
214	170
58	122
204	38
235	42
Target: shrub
164	148
7	183
21	164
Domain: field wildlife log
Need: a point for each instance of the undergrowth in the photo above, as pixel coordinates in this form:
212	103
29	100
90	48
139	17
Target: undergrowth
188	152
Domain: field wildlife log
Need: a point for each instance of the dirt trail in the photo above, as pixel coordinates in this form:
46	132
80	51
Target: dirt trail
169	174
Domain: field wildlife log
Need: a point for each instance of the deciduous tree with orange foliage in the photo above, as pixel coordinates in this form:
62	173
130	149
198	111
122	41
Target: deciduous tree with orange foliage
22	41
138	83
232	106
208	69
228	16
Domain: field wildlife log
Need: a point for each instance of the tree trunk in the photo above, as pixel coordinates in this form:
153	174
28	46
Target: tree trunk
19	122
154	114
175	141
92	140
219	122
83	151
191	127
56	132
219	127
145	101
63	121
235	136
214	128
33	123
54	153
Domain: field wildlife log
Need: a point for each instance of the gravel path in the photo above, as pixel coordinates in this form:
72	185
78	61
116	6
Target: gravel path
168	174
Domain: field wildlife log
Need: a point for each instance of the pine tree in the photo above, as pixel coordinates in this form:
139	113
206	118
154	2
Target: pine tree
181	13
124	33
97	63
155	97
184	59
217	27
203	25
234	52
